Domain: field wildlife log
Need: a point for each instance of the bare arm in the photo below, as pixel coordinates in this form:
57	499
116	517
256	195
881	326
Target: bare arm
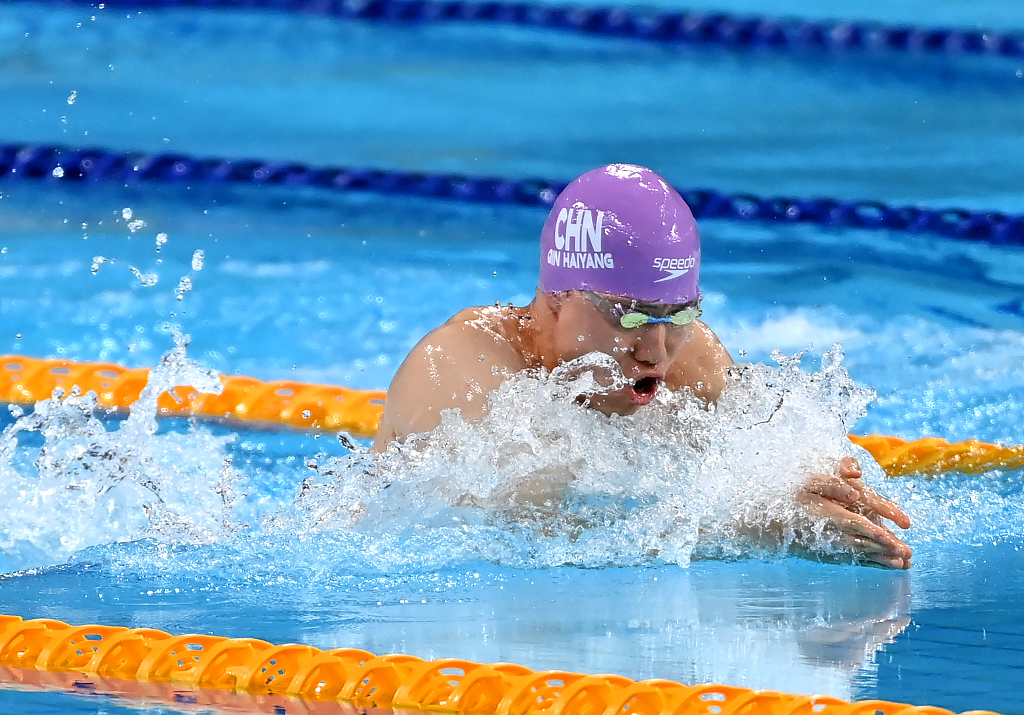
702	365
456	366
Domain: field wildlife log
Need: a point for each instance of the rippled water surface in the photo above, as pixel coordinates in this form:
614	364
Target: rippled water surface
207	528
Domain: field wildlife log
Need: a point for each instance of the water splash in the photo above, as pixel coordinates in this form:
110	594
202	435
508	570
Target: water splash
540	481
543	481
69	481
98	261
145	279
184	286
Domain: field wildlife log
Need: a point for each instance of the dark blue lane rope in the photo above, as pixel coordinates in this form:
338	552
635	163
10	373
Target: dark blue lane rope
56	164
700	28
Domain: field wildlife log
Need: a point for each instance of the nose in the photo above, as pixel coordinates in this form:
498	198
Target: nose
651	346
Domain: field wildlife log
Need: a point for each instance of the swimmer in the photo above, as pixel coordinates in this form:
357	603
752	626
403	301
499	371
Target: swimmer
620	260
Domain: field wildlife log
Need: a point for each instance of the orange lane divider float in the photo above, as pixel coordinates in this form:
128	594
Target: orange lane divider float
304	406
285	402
932	455
252	674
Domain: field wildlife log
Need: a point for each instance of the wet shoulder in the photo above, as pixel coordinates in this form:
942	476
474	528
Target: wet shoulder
495	331
702	364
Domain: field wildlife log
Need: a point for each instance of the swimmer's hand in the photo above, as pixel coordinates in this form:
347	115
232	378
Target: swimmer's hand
855	512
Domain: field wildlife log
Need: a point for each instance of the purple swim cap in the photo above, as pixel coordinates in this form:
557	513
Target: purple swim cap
621	230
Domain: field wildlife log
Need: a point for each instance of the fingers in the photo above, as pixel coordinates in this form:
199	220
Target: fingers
832	487
883	507
849	468
867	552
850	475
865	536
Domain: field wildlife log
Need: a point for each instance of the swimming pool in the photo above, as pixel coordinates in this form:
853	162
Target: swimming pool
335	289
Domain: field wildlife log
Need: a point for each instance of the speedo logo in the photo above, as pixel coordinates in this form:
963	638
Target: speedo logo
578	234
675	267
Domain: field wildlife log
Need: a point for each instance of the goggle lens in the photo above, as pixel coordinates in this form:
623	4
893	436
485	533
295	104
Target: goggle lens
683	317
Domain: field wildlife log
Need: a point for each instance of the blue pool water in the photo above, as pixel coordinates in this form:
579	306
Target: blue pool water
336	289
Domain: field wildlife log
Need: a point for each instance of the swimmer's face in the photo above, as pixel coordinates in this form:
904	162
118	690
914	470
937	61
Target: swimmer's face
585	323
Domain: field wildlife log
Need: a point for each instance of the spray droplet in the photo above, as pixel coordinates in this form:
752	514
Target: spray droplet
161	239
18	336
184	286
63	120
126	213
58	173
97	262
145	279
73	96
306	414
135	225
197	260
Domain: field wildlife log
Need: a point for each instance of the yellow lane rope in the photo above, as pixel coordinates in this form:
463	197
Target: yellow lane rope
296	404
301	405
306	680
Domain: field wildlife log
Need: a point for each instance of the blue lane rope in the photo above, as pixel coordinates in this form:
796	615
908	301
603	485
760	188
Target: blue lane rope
697	28
57	164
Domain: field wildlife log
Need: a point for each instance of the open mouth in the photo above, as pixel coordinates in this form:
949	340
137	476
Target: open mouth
646	386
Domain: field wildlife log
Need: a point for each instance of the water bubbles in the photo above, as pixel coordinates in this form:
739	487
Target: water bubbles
57	173
145	279
306	414
73	96
16	410
197	260
184	286
161	239
126	213
98	261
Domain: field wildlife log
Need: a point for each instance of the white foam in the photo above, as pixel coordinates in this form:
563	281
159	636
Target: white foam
85	485
542	480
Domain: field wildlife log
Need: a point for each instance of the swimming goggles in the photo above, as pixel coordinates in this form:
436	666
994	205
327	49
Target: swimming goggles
632	318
